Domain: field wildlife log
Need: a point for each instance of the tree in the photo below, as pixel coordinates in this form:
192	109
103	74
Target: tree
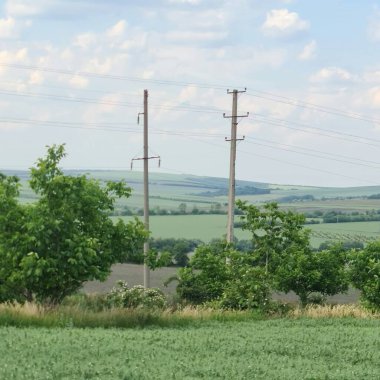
306	272
282	246
365	273
227	277
273	231
182	208
50	248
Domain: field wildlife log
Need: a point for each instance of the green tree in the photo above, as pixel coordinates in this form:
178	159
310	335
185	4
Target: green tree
365	274
227	277
182	208
273	231
306	272
282	246
49	249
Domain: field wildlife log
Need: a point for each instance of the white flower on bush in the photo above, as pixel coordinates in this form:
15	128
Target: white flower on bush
136	297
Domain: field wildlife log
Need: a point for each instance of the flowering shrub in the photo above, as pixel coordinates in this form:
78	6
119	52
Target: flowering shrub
135	297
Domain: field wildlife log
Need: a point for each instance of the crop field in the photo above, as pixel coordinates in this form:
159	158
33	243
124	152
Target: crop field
207	227
265	349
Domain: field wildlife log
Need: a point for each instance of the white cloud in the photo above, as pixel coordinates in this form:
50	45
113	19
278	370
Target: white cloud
25	8
331	75
374	95
85	40
36	77
280	22
7	27
308	51
78	81
192	36
117	30
372	76
7	57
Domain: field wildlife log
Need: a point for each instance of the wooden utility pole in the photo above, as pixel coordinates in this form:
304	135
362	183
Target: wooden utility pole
233	139
146	158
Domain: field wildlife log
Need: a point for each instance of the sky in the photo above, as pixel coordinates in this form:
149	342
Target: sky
74	72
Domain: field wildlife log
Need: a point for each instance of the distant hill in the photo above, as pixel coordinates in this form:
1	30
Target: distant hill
167	191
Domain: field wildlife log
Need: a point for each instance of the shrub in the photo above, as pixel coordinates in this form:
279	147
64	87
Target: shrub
136	297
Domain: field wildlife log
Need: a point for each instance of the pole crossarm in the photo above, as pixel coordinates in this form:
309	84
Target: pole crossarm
227	139
237	91
146	158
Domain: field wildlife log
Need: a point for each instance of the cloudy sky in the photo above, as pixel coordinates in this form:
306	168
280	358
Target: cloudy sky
74	71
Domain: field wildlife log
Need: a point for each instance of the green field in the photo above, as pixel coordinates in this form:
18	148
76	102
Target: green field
268	349
207	227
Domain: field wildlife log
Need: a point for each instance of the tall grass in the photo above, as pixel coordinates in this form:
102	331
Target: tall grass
333	311
29	315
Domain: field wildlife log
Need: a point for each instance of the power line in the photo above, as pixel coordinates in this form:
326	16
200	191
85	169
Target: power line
322	132
312	106
315	150
255	93
315	155
115	77
167	106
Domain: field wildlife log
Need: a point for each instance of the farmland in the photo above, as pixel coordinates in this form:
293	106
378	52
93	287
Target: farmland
168	191
266	349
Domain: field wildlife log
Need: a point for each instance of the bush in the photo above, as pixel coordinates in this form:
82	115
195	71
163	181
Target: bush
248	289
365	274
136	297
225	278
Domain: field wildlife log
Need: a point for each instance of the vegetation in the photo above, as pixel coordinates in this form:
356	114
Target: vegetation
262	349
365	274
50	248
136	297
280	258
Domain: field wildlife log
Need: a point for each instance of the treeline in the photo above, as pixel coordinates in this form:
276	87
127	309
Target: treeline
183	209
177	252
240	190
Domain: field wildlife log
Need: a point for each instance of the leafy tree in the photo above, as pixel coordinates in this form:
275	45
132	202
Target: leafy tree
273	231
227	277
306	272
282	246
182	208
205	277
365	274
49	249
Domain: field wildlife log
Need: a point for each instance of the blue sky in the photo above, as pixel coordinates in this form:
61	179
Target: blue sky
311	68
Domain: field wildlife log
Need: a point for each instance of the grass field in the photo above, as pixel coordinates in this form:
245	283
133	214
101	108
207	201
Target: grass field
207	227
267	349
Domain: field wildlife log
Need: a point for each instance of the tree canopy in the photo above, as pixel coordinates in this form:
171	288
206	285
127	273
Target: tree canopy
50	248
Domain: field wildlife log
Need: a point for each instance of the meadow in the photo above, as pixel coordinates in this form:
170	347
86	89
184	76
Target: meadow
291	348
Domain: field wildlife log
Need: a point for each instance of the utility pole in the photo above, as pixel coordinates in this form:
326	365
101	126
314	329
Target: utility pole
146	158
233	139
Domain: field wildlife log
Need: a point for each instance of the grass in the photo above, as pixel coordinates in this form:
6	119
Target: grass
301	348
91	312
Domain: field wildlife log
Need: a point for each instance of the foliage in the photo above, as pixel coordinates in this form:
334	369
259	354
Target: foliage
365	274
306	272
247	289
178	249
206	276
135	297
220	274
49	249
273	231
282	246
